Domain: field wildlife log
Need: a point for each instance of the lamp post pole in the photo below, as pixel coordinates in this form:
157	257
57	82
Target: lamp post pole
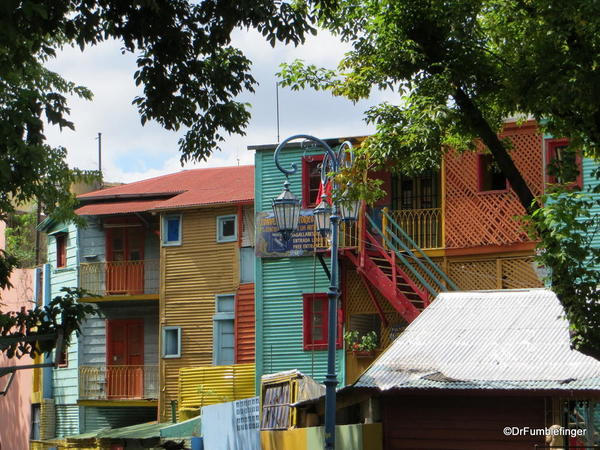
333	160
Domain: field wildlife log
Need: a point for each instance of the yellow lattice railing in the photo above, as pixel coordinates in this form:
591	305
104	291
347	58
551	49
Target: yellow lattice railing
202	386
424	226
494	273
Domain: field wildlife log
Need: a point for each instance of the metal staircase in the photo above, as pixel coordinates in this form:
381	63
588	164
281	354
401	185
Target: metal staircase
393	263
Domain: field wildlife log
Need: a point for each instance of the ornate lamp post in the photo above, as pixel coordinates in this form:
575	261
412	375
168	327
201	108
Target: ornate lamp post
286	209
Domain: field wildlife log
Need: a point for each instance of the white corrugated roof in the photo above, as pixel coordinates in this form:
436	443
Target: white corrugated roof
511	339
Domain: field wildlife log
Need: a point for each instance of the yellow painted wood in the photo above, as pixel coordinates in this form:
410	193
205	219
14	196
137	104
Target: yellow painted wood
119	298
111	403
288	439
192	274
202	386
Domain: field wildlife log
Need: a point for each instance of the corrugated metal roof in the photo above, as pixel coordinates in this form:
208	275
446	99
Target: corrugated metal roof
141	431
197	187
96	209
513	339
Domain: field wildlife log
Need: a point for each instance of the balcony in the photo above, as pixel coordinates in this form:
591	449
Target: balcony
118	382
424	226
120	277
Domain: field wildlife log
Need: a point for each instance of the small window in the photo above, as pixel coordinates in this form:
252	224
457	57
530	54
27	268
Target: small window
563	165
171	342
491	177
171	230
311	180
247	265
227	228
62	359
315	322
223	330
61	250
35	422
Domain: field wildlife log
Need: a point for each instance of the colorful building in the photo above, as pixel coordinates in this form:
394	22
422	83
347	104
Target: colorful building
166	262
452	229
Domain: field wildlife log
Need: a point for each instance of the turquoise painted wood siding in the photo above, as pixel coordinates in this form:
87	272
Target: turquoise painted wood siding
65	379
280	283
110	417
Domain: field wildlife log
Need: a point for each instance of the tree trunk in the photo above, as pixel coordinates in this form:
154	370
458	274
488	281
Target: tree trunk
476	121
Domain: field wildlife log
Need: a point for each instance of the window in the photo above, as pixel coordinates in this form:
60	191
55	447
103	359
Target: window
171	342
171	230
35	422
563	165
315	322
247	265
311	180
61	249
62	359
227	228
223	330
490	176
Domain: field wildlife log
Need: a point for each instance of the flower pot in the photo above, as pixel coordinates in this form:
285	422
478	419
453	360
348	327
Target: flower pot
364	353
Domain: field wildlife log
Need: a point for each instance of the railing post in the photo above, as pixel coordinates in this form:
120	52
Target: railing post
384	226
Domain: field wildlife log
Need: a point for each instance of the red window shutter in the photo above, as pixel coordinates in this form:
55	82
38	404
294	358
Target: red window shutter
310	181
61	250
318	317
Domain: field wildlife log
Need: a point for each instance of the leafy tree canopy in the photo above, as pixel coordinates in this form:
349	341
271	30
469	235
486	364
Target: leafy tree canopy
460	67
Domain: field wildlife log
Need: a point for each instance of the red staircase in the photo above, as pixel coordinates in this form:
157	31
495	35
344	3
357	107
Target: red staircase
380	267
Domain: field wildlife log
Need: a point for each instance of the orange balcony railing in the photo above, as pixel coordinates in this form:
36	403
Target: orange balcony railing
118	382
120	277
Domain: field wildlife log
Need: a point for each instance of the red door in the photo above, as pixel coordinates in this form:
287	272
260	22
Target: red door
125	358
125	261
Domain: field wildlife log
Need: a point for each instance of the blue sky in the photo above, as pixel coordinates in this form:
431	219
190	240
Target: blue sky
132	152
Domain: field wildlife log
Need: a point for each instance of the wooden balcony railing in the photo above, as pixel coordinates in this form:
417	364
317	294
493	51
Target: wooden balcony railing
120	277
348	238
424	226
118	382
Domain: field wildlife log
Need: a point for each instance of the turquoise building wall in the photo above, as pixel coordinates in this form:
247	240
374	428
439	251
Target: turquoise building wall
280	283
65	380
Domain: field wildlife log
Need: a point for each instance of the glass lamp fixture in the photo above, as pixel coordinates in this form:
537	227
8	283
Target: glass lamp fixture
286	209
322	213
349	209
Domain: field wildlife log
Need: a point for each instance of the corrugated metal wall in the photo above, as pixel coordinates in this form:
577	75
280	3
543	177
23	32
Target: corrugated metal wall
67	420
201	386
280	283
192	274
115	417
244	324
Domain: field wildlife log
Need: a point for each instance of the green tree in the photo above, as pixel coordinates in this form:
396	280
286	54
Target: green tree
459	67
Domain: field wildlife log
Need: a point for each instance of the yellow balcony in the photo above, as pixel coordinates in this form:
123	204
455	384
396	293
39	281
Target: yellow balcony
424	226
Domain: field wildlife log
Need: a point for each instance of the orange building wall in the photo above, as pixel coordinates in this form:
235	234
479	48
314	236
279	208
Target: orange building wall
244	324
473	218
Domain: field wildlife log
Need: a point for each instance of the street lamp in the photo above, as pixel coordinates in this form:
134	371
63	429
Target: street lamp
327	221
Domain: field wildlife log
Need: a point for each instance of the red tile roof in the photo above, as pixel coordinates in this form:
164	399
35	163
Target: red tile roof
196	187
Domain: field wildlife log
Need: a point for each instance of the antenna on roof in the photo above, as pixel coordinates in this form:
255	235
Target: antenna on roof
277	107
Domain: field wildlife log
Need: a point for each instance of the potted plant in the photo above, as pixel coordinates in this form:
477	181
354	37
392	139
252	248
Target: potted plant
361	345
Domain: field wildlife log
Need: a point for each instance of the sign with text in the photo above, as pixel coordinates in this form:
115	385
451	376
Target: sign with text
270	244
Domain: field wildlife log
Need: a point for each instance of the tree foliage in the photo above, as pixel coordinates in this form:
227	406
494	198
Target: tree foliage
62	313
459	68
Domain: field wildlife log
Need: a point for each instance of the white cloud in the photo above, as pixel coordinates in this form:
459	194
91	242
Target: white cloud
132	152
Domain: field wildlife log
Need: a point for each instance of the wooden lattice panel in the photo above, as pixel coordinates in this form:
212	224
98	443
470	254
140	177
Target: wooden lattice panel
497	273
518	273
422	272
474	218
473	275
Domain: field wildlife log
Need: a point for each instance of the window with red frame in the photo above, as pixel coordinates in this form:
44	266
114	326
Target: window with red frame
61	250
568	162
63	358
490	177
316	316
311	180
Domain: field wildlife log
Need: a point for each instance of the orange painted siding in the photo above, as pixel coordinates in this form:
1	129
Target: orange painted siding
244	324
476	218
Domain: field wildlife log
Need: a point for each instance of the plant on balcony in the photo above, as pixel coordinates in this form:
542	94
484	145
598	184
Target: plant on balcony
358	344
63	313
